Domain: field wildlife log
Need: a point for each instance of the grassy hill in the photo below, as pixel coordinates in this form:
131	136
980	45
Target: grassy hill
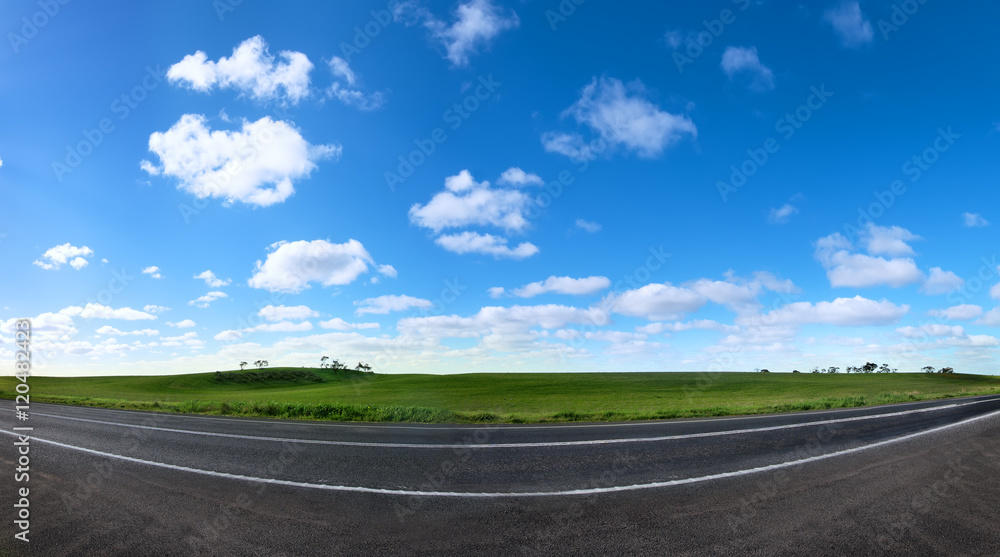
309	393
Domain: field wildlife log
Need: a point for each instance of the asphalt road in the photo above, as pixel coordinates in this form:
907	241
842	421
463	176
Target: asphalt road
912	479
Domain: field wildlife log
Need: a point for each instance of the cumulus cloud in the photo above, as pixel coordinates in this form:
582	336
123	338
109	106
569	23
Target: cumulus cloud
559	285
280	327
500	321
486	244
887	240
781	214
291	266
743	61
109	330
851	24
386	304
344	90
960	312
973	219
517	177
251	69
338	324
99	311
990	318
183	324
153	308
622	117
256	165
207	299
465	202
942	282
656	302
845	268
931	330
211	280
476	24
847	312
55	257
153	271
283	313
588	226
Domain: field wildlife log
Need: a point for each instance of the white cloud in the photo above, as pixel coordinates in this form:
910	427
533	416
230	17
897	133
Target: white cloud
386	304
477	23
227	336
282	313
738	60
856	311
774	284
591	227
280	327
387	270
995	291
500	320
517	177
959	312
496	291
255	165
153	308
851	24
932	330
290	267
344	91
656	301
466	202
153	271
781	214
204	301
338	324
487	244
60	255
991	318
942	282
251	69
211	280
679	326
973	219
891	241
859	270
622	117
184	324
737	297
98	311
109	330
562	285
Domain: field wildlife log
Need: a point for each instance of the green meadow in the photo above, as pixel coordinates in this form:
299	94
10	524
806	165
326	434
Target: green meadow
324	394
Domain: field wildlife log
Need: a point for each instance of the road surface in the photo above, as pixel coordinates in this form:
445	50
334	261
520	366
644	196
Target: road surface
910	479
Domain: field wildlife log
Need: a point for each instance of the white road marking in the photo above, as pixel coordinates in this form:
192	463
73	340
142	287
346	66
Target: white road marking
517	445
498	495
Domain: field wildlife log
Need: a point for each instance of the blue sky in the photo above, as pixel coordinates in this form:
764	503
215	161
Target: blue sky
500	186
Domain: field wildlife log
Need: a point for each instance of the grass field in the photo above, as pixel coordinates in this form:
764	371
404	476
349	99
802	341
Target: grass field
504	397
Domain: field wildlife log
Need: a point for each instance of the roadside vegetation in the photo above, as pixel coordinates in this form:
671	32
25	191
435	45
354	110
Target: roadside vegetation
356	395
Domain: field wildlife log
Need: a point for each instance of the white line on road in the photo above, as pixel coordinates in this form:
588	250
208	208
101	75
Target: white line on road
498	495
517	445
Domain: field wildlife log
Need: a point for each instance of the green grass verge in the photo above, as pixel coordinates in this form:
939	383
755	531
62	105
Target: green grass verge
315	394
